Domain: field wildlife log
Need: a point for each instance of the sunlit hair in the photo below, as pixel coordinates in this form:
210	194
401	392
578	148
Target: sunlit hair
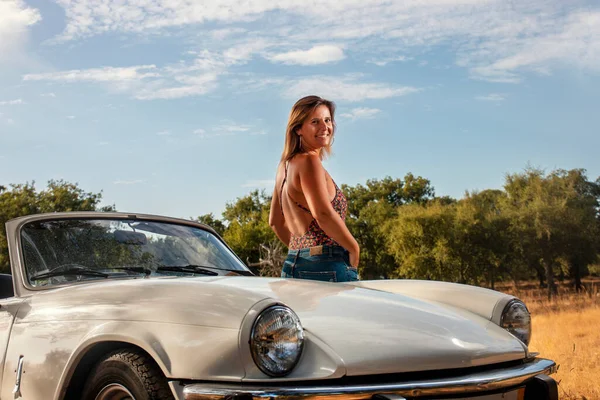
300	112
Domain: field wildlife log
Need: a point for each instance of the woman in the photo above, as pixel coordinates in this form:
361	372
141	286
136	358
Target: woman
303	214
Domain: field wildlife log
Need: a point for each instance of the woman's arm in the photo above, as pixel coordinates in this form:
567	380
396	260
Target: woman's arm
314	187
276	218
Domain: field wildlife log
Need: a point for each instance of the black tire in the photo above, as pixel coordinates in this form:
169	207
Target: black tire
127	370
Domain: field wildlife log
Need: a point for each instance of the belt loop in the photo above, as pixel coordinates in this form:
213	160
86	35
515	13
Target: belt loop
294	263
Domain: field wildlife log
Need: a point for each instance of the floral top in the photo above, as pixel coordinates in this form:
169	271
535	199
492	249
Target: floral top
314	235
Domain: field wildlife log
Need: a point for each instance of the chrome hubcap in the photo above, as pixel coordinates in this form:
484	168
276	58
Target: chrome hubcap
114	391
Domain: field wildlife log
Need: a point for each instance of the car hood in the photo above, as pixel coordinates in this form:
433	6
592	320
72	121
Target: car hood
370	330
177	300
385	332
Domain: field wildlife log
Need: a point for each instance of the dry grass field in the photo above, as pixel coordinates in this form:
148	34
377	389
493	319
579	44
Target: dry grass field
567	330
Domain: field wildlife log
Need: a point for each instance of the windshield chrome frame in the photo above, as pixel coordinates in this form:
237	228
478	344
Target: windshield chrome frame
14	227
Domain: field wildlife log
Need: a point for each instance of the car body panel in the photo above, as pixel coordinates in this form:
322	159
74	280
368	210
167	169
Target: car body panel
412	335
187	300
198	328
52	349
472	298
343	316
8	311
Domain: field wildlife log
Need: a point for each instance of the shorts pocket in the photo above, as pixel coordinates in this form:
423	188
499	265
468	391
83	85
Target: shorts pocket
324	276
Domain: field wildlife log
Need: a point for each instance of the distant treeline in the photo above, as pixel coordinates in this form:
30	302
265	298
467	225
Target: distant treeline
540	226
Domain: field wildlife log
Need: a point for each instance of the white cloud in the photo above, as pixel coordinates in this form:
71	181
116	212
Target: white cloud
385	61
231	127
70	117
164	133
220	34
250	83
361	113
144	82
104	74
227	128
491	74
129	182
206	135
11	102
322	54
48	95
345	88
261	183
85	17
193	86
194	77
16	18
575	41
243	50
492	97
494	40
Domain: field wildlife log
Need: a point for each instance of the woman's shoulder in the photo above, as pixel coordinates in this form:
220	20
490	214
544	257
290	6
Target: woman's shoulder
306	160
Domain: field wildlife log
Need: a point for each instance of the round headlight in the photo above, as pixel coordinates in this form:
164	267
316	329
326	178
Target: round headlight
276	341
516	320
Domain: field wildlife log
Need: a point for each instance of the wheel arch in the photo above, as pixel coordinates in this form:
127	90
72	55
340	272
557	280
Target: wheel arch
72	387
98	344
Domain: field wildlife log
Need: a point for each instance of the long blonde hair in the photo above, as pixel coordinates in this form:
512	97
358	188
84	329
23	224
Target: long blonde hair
300	111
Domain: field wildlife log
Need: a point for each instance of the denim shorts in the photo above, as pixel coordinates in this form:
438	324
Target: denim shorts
319	263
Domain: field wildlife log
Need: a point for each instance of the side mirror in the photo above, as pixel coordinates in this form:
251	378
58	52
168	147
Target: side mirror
6	286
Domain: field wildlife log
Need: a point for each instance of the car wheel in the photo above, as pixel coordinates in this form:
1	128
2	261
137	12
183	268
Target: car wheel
126	374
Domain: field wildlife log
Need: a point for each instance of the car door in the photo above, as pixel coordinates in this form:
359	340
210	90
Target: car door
9	306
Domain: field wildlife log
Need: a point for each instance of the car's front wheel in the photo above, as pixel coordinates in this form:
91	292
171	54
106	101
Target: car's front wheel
126	374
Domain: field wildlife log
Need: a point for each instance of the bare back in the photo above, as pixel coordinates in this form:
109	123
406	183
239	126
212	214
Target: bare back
293	202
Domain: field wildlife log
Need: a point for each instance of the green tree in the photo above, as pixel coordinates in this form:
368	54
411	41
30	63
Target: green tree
64	196
581	234
395	192
557	214
247	221
482	240
212	221
22	199
370	207
420	239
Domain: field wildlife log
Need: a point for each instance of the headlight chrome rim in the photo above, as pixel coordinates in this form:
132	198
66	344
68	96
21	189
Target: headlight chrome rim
259	360
506	320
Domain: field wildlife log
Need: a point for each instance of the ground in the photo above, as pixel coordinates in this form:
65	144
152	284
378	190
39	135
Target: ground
567	330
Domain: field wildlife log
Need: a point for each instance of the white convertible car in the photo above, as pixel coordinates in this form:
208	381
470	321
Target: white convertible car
124	306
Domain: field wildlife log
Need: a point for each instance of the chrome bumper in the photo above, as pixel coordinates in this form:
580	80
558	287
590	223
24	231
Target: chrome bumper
478	382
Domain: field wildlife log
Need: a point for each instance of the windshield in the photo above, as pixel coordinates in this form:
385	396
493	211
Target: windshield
59	251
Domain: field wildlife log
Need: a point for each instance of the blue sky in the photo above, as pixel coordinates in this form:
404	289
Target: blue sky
175	107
